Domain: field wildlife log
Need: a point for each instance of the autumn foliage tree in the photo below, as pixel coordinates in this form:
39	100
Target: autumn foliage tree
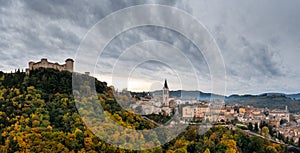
38	114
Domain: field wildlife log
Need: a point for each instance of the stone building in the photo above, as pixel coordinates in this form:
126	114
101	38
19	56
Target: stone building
193	111
277	115
187	111
68	66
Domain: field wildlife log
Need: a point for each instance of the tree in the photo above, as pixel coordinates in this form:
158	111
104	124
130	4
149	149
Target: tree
256	144
230	145
256	127
265	132
242	141
207	150
181	150
283	121
250	126
38	114
195	147
271	132
192	133
271	149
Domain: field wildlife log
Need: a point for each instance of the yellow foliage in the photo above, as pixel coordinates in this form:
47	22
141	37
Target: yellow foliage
17	91
207	150
35	123
88	143
49	127
230	144
180	143
27	120
77	131
30	88
21	143
82	151
71	136
170	151
230	150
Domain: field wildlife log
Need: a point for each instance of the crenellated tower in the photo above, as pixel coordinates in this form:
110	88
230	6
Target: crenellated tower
68	66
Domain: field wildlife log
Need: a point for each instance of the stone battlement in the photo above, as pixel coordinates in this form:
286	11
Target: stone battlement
68	66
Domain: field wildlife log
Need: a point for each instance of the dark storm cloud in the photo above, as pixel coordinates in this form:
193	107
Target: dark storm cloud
42	28
127	39
259	40
260	57
86	13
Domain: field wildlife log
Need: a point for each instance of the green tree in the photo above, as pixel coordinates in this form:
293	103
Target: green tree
265	132
256	127
250	126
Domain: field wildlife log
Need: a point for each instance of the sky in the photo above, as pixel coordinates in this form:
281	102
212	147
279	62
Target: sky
258	41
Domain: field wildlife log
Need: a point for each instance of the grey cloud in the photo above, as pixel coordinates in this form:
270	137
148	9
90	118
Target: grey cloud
260	58
118	45
259	40
87	13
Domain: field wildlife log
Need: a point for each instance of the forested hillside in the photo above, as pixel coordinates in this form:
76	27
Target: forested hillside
266	100
38	114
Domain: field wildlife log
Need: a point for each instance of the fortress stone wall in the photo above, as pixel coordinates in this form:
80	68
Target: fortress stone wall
68	66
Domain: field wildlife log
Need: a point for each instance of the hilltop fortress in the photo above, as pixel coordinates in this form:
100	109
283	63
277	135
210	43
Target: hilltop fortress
68	66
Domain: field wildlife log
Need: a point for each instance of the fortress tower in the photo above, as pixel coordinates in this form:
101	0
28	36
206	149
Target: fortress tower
68	66
166	94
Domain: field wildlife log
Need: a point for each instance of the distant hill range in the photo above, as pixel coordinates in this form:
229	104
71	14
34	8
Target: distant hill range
199	95
270	100
294	96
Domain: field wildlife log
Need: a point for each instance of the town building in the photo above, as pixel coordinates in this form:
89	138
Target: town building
277	115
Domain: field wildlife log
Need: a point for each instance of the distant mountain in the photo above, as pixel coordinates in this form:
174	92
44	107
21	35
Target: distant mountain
184	94
272	94
294	96
270	100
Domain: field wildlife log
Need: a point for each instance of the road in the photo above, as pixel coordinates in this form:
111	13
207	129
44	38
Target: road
255	134
148	119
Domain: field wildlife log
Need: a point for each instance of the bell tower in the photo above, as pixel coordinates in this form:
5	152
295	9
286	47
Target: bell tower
166	94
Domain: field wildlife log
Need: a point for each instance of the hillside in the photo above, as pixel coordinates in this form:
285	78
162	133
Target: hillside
294	96
38	114
266	100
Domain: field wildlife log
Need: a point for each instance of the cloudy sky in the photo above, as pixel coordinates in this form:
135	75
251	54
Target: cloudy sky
258	40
